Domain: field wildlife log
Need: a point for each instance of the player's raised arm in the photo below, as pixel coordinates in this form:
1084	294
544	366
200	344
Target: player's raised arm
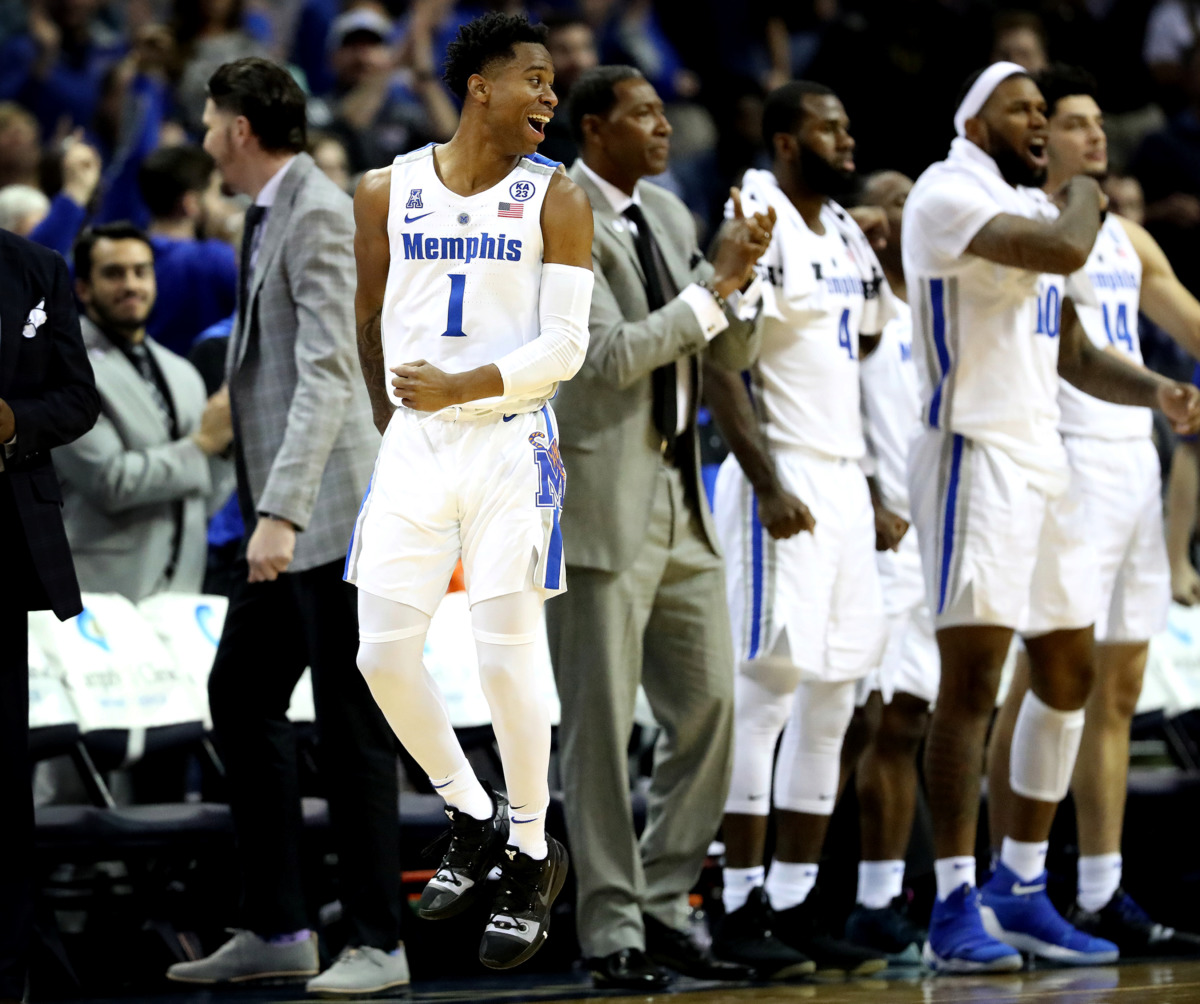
1164	299
372	256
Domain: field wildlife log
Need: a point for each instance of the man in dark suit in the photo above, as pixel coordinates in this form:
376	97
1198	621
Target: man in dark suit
304	448
47	398
647	596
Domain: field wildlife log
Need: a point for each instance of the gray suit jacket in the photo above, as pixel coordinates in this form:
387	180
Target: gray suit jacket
125	480
302	415
609	444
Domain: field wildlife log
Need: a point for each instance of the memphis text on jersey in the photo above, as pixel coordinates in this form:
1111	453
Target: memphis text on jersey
461	248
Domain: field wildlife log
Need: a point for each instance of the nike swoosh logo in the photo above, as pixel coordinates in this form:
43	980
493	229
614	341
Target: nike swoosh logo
413	219
1025	890
509	418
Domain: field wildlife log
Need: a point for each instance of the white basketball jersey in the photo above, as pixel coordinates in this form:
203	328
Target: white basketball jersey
465	277
1113	278
985	336
892	404
806	381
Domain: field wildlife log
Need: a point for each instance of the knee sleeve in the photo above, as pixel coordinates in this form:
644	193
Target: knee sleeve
1045	743
759	712
810	754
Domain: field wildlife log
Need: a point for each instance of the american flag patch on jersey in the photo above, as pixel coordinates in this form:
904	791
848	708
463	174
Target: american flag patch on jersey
511	210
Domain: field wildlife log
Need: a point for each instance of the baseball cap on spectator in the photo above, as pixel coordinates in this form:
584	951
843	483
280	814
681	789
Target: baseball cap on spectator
360	20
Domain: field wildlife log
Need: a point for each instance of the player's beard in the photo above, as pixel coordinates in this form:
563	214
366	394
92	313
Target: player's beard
823	178
1013	167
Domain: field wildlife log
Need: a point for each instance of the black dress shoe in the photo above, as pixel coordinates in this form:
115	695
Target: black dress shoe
628	969
675	950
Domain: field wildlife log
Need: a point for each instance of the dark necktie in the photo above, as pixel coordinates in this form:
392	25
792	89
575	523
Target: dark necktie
660	289
254	218
141	359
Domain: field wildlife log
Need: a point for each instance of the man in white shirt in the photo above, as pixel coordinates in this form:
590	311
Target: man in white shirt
1003	544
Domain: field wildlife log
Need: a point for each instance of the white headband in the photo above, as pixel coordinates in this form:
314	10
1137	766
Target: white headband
981	90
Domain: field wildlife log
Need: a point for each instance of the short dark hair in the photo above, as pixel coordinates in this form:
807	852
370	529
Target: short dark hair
485	40
595	93
1060	81
168	174
85	243
268	96
783	111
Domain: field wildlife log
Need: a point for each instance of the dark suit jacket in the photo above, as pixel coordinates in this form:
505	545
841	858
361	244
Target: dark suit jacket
47	380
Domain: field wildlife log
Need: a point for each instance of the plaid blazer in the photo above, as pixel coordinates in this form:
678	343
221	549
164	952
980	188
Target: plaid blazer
47	380
303	419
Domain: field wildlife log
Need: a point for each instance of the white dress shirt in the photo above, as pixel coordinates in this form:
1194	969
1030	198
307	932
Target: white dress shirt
266	199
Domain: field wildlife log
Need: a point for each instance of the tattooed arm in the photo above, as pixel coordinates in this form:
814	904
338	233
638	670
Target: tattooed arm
372	255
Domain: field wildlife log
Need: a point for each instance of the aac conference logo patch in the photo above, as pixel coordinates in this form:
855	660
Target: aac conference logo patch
522	191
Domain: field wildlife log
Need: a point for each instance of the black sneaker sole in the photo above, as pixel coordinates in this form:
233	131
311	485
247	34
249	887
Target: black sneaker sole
557	880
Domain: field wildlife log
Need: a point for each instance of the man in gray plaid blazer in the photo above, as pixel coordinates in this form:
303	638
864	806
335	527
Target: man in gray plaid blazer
304	448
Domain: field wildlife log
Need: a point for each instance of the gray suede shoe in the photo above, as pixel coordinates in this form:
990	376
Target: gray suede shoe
362	971
246	957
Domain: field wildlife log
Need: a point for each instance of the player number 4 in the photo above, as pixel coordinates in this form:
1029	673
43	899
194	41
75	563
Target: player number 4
844	339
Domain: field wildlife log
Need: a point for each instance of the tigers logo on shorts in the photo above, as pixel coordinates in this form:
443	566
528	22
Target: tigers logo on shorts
552	475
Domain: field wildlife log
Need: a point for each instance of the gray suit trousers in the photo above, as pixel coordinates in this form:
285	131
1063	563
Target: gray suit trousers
661	622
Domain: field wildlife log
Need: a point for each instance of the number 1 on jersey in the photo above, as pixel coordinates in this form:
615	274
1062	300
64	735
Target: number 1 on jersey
458	286
844	333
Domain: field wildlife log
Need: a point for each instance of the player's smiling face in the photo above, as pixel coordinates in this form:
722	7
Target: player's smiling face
522	98
1077	144
1014	130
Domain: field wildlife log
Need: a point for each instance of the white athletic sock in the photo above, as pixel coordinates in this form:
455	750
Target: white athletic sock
1099	878
879	882
463	791
789	883
953	873
1025	860
527	832
739	883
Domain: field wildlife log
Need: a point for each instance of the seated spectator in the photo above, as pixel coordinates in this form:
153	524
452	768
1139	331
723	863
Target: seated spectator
329	153
1019	37
67	212
136	487
208	33
385	101
55	67
198	276
22	207
572	45
1168	166
20	146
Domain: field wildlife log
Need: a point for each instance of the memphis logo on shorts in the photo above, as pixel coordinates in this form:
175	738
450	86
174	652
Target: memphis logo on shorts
552	475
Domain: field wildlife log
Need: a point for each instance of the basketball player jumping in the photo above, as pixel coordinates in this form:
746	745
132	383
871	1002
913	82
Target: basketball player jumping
474	285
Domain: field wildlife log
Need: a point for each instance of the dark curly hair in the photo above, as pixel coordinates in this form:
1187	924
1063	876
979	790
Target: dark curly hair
483	41
1062	81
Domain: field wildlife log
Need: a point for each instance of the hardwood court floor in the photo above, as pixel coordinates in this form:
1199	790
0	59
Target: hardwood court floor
1165	982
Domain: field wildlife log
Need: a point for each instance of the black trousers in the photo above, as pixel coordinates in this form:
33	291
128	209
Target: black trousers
272	631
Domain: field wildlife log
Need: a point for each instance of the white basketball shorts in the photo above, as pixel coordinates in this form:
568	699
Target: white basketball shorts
487	490
814	598
911	664
1121	485
996	549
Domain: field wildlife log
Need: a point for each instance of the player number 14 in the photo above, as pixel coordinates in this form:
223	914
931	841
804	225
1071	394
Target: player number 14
1118	332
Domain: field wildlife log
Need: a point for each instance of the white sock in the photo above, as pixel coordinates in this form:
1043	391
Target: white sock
789	883
1099	878
527	833
953	873
1025	860
739	883
879	882
463	791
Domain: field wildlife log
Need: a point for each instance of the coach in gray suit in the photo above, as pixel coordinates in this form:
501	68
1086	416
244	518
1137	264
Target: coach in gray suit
136	487
646	599
304	449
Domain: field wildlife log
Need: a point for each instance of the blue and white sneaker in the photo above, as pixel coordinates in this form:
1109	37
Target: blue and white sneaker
1021	914
958	942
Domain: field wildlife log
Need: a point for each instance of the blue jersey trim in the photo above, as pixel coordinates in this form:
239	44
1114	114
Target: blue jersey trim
948	524
537	158
937	309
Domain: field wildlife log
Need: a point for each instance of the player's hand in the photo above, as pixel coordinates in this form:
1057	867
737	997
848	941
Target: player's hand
423	387
80	169
783	515
1180	402
1185	585
889	529
873	222
741	242
271	549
